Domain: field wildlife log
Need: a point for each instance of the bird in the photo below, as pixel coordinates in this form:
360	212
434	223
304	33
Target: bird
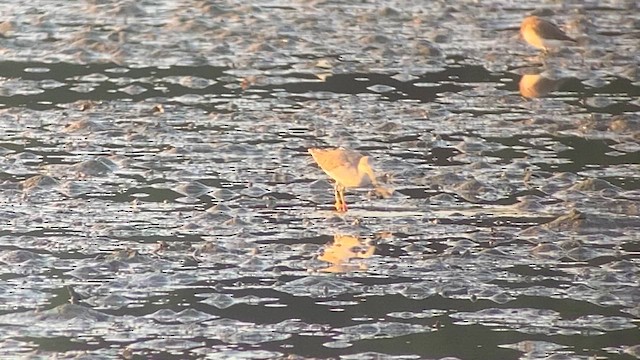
542	34
348	168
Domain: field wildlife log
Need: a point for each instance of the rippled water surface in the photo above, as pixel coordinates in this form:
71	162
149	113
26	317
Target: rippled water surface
158	201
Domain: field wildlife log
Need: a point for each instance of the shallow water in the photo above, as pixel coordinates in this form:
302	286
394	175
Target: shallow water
158	200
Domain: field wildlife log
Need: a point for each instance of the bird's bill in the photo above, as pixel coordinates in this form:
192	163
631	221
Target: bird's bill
383	192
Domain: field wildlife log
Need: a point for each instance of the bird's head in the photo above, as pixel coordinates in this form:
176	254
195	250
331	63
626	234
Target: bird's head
365	168
530	22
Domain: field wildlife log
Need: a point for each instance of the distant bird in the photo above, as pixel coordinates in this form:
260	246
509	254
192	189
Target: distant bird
542	34
348	168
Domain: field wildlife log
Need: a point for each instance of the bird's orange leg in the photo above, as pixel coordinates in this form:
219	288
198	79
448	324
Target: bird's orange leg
336	194
343	202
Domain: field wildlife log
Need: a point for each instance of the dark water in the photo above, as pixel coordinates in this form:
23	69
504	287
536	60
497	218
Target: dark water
158	200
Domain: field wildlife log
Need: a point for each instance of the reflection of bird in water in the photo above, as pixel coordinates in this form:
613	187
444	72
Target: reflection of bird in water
349	169
542	34
342	250
536	85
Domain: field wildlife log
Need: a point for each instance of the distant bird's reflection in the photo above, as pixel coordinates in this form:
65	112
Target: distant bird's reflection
537	85
340	253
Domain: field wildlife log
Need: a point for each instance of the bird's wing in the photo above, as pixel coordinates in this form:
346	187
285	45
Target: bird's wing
332	159
551	31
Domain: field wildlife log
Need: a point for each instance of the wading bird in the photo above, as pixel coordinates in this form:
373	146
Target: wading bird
348	168
542	34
